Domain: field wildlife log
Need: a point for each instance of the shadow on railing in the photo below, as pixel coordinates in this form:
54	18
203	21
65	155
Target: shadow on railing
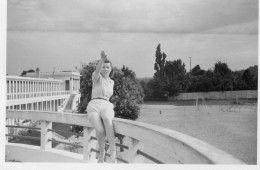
173	147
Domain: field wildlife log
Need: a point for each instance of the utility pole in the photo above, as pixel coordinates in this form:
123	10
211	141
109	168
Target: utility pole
190	64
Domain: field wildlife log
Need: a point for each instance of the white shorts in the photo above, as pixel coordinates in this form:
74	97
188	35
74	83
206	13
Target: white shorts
99	106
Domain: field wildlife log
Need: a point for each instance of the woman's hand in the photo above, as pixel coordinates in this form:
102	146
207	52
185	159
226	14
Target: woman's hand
103	56
97	72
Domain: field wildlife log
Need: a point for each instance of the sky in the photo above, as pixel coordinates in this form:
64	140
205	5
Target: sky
63	34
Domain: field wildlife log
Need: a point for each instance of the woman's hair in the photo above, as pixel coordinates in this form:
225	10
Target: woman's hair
112	70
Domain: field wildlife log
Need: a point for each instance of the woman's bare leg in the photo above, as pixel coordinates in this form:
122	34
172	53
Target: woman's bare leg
96	121
107	116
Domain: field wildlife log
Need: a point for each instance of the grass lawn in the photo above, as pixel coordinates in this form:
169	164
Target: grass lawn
234	132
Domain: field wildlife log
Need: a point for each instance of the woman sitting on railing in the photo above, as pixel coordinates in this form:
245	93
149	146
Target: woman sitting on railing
100	110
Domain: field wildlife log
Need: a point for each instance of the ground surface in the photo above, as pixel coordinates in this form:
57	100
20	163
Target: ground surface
234	131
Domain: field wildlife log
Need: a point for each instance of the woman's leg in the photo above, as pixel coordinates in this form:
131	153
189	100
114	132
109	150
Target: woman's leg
96	121
107	116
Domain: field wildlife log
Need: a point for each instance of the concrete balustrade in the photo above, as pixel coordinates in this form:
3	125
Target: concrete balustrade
174	146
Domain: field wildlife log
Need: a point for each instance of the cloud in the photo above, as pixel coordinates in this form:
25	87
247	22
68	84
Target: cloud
242	28
157	16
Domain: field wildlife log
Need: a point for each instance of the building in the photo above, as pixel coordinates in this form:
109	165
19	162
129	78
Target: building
70	78
58	92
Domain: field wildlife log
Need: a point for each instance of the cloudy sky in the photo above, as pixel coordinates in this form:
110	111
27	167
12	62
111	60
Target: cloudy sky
62	34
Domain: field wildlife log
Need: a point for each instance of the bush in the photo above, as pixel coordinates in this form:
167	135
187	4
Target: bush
128	93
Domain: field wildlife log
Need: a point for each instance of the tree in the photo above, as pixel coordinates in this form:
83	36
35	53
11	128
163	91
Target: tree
128	93
221	69
86	85
196	71
237	81
146	89
249	80
210	76
128	73
223	79
157	85
200	83
174	73
157	88
169	78
159	62
200	80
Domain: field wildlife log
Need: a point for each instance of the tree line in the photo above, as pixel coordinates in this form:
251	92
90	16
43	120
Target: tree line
171	78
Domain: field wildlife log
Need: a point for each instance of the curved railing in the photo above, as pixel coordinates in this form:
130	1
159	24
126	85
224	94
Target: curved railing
172	146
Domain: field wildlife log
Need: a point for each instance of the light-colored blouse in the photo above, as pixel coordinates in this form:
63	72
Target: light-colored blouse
101	87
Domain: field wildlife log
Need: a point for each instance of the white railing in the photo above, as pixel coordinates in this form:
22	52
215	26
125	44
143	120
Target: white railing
14	96
174	146
27	87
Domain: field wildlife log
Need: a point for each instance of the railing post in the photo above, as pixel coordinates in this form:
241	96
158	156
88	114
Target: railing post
46	135
134	145
88	143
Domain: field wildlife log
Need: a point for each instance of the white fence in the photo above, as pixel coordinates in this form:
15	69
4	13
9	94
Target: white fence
225	95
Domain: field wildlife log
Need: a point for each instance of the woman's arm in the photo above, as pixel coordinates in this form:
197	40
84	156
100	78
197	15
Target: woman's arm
99	65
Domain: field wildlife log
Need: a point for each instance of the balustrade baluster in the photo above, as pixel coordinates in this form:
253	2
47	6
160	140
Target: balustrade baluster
88	143
132	155
15	89
46	135
12	90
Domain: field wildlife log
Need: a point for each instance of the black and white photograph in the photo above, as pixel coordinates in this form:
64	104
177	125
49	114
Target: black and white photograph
121	83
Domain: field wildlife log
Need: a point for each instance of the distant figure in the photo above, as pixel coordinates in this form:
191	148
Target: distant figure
160	112
100	110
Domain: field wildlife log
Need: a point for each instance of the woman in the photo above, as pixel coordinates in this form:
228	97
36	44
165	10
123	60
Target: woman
100	110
